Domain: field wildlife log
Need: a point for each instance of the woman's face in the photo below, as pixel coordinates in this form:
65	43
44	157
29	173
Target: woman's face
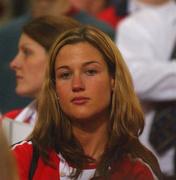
83	83
29	66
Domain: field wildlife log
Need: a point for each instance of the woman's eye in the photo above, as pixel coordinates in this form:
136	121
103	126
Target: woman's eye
27	52
91	72
65	75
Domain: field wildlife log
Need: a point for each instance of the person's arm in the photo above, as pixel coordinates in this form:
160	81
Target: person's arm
23	154
154	75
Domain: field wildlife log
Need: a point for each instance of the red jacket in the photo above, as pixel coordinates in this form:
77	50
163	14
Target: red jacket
126	170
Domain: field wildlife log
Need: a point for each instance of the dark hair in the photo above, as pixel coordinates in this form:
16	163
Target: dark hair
54	130
46	29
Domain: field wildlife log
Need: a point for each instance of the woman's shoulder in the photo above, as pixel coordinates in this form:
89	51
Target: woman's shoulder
141	169
22	145
22	152
133	168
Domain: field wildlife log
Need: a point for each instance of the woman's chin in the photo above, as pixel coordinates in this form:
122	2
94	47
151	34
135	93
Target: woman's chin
22	93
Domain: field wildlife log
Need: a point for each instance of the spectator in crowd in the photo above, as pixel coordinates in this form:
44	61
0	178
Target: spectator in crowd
101	9
19	7
9	37
89	117
146	40
5	11
109	11
30	63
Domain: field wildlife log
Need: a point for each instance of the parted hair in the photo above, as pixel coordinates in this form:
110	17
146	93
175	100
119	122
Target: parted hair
126	120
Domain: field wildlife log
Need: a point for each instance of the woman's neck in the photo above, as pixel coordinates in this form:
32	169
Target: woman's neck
93	137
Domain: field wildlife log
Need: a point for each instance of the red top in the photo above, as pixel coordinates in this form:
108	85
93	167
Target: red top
128	169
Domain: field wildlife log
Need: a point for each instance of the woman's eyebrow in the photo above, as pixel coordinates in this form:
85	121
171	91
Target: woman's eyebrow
84	64
62	67
90	62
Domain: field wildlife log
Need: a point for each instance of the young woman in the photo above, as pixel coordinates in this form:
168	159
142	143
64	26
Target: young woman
89	116
29	65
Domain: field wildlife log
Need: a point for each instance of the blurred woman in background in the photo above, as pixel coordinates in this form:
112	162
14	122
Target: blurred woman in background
36	39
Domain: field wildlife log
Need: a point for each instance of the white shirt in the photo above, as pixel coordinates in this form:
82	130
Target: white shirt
65	171
135	5
146	40
28	113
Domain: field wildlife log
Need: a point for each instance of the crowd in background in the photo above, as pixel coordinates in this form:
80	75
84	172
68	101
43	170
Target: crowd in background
10	9
144	31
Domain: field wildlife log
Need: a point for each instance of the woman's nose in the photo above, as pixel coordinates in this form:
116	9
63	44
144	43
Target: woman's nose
77	83
15	63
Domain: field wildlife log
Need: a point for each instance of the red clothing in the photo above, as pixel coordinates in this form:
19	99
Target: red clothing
126	170
109	16
12	114
26	115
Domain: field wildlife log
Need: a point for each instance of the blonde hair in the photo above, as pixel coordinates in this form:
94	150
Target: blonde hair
54	130
8	169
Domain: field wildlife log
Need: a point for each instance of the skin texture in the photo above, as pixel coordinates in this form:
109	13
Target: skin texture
29	66
83	73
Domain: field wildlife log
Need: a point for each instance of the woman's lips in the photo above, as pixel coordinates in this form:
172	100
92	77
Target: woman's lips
19	78
79	100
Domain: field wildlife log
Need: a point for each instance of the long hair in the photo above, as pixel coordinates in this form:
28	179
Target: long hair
126	122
